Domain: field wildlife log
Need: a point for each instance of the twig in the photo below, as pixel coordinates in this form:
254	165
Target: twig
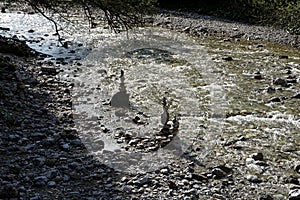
35	7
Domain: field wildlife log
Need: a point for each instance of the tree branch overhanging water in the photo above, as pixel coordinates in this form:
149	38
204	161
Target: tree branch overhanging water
120	15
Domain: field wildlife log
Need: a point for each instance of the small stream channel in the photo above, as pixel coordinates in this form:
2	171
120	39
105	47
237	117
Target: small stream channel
144	97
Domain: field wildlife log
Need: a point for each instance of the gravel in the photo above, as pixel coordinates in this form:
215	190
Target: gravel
200	25
42	156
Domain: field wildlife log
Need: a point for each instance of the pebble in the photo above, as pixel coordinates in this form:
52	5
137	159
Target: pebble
218	173
255	168
65	147
266	197
109	185
76	142
283	57
52	163
172	185
229	58
51	184
199	177
257	156
297	167
40	180
258	76
142	181
270	90
253	178
280	81
124	179
296	96
164	171
294	194
8	191
275	99
133	142
291	180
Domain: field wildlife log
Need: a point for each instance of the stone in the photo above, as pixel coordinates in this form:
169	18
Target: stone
257	156
65	147
266	197
8	191
13	137
49	70
142	181
229	58
186	30
76	142
258	76
291	180
270	90
296	96
199	177
294	194
275	99
128	135
124	179
280	81
225	168
133	142
38	135
164	171
219	173
109	185
172	185
259	45
297	167
40	181
291	80
283	57
253	179
51	184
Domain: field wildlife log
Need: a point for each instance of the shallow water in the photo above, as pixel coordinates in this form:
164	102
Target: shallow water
214	100
157	63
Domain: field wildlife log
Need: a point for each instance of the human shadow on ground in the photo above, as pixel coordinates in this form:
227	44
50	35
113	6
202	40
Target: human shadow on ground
41	155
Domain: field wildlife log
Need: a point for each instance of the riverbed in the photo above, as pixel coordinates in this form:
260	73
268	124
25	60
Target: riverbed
233	99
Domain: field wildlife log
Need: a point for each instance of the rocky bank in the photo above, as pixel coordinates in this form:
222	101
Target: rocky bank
42	156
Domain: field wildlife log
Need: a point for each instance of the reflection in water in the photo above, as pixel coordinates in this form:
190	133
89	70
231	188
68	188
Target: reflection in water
121	98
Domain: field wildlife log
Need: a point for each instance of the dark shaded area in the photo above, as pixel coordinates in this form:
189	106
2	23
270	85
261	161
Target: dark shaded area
15	47
279	13
42	156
